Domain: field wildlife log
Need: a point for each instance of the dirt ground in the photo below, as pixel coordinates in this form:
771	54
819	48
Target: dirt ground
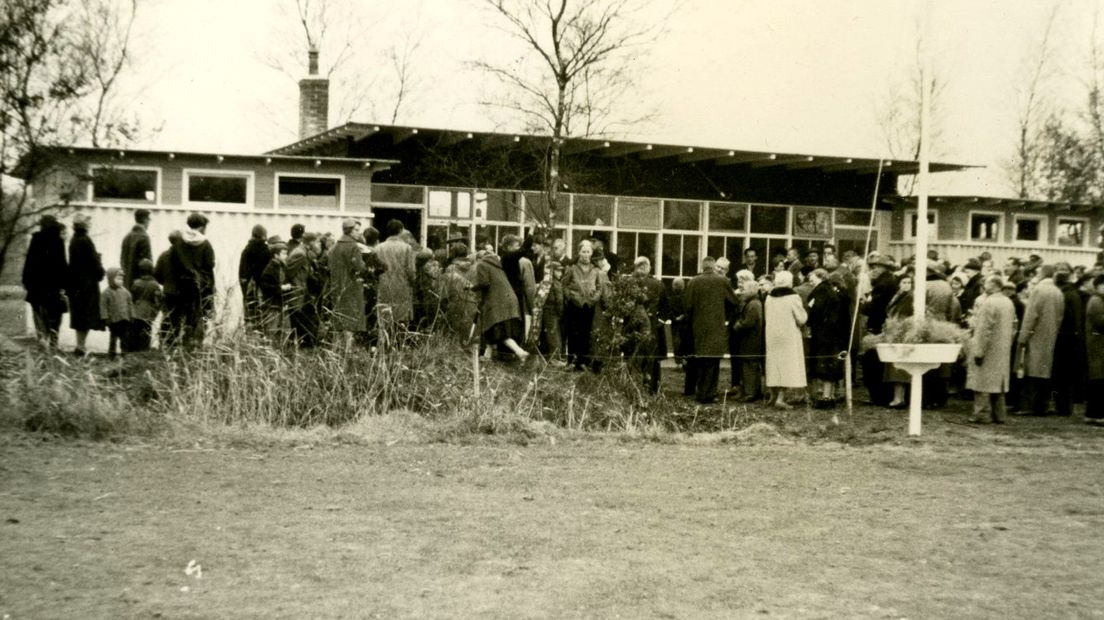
968	522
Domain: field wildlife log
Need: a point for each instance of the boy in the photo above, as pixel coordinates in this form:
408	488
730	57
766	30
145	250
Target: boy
147	296
117	310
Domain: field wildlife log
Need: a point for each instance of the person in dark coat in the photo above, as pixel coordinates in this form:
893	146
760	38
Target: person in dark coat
883	286
498	305
43	280
254	259
748	329
973	287
274	288
148	298
1069	349
1094	343
709	297
136	247
829	329
649	354
83	287
192	270
172	319
346	289
307	282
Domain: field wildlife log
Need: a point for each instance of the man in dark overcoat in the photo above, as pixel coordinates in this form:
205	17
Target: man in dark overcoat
883	286
44	272
708	299
1069	348
136	247
346	289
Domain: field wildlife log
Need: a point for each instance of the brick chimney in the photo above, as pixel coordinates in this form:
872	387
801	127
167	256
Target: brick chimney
314	100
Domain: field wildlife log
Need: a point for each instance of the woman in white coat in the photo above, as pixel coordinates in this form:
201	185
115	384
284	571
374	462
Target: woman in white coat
784	317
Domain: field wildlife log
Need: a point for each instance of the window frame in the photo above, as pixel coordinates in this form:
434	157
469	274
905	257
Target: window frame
91	190
250	185
970	226
1086	230
312	175
1044	228
909	233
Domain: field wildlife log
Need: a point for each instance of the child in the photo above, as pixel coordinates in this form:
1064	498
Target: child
117	310
147	296
274	285
550	337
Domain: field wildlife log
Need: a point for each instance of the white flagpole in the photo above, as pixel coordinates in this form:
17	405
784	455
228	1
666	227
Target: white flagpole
921	288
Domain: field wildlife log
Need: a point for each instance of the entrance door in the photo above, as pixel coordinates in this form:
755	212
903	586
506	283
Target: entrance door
410	218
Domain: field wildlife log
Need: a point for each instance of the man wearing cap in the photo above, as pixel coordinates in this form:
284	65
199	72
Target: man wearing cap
297	232
883	286
274	287
136	247
305	280
1038	335
346	290
972	289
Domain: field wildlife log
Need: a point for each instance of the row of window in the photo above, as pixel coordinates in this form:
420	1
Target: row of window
136	185
1028	229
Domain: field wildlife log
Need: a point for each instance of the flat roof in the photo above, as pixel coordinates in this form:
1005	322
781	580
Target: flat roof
681	154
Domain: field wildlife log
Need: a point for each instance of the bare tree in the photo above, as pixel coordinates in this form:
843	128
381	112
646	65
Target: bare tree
59	65
1035	112
576	74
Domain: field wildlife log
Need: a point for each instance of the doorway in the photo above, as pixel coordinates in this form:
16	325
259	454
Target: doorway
411	220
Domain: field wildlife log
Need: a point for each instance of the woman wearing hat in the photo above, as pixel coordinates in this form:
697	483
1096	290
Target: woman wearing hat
85	273
785	316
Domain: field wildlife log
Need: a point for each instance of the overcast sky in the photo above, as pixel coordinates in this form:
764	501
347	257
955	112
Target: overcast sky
789	75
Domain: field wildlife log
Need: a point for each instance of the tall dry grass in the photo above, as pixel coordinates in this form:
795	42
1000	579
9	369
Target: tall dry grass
241	380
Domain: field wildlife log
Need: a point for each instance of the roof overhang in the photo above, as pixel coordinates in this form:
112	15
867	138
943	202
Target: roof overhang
122	154
675	153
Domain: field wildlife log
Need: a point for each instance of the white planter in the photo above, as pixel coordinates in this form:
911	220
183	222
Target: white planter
938	353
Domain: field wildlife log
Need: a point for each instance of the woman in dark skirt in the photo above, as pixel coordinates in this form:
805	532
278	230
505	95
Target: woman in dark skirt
498	306
83	286
44	279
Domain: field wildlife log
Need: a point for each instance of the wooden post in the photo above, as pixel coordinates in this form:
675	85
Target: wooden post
475	368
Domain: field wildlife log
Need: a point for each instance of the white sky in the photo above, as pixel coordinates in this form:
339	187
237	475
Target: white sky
789	75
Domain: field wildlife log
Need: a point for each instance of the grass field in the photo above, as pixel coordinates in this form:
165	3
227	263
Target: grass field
965	522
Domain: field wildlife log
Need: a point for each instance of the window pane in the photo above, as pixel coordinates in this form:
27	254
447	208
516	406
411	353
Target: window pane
592	210
715	247
116	184
727	216
536	207
440	203
646	246
672	255
310	193
984	227
1071	233
499	206
217	188
1028	229
626	247
681	215
638	213
852	217
402	194
769	220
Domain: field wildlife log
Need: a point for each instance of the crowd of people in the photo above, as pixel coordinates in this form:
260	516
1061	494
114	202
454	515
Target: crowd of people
1037	330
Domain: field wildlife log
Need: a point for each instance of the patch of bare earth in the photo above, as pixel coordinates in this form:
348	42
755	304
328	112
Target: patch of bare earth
582	528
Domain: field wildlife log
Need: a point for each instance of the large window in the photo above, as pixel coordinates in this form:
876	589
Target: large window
592	210
308	192
129	185
630	245
727	216
681	255
985	226
911	219
731	248
681	215
536	207
450	204
769	219
1071	232
490	234
1029	229
638	213
438	234
217	187
397	194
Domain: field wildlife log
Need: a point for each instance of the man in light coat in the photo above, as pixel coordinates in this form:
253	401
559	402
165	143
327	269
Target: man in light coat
987	371
1038	335
396	285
